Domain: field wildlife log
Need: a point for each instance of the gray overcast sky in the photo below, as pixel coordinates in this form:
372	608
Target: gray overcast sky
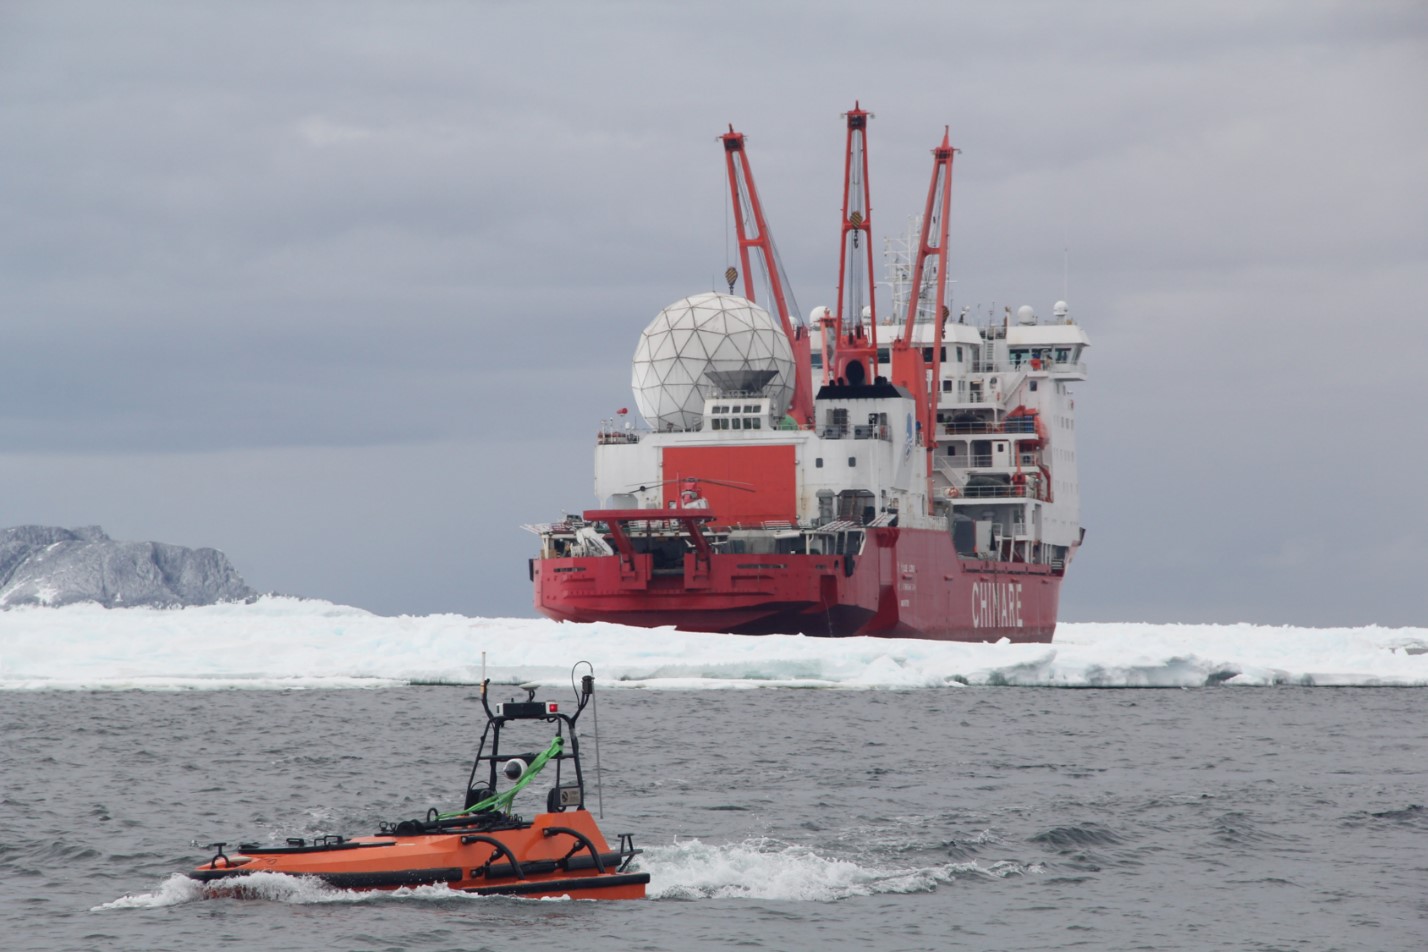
343	289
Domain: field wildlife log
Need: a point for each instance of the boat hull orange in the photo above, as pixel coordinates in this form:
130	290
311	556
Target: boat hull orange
554	855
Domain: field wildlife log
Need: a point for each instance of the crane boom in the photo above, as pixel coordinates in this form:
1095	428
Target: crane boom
929	274
754	235
934	215
852	342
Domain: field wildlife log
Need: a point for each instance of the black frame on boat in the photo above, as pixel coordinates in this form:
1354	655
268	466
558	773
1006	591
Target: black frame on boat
557	801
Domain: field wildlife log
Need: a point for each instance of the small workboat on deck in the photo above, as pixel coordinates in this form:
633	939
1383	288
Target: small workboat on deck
482	848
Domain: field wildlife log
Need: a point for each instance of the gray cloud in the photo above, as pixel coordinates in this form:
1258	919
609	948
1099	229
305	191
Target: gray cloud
343	288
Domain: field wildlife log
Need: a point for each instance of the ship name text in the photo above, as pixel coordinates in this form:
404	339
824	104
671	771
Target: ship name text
996	605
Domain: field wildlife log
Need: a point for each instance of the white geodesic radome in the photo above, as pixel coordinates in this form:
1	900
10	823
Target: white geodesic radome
701	346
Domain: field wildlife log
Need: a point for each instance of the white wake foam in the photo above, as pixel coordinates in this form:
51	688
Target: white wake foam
174	891
769	869
278	887
689	869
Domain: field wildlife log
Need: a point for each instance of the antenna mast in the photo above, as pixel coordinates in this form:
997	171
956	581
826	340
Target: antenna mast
754	234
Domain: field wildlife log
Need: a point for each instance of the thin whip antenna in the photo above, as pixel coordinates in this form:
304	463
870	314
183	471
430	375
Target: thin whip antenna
599	777
728	245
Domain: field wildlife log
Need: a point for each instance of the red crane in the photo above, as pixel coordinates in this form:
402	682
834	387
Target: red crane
929	286
850	348
754	235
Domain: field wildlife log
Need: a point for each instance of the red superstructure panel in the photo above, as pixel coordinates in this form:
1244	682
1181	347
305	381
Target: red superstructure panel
743	484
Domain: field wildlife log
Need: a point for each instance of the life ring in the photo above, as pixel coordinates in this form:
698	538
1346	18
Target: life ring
952	492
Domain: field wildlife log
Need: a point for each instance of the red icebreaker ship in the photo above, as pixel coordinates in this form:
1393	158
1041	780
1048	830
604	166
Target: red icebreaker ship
927	489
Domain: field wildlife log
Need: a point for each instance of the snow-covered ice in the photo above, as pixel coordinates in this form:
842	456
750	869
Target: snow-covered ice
295	643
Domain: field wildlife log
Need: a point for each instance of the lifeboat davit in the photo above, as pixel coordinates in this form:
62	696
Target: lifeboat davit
483	848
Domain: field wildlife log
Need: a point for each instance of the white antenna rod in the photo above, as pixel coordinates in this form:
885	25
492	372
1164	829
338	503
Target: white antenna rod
1065	262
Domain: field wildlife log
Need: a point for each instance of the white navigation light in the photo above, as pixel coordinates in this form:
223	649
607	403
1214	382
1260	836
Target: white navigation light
707	344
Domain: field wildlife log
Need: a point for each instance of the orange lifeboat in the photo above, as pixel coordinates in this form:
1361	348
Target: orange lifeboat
483	848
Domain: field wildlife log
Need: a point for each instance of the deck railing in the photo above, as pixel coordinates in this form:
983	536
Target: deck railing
1017	424
998	491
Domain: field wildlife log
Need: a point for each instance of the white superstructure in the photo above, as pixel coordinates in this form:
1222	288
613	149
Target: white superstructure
1006	431
1003	461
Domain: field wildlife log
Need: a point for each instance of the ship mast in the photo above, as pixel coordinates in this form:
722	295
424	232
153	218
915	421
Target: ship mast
859	345
754	234
909	368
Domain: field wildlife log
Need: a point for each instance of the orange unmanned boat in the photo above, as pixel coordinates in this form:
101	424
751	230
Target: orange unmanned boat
484	847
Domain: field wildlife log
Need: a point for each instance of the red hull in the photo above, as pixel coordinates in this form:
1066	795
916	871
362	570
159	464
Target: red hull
907	583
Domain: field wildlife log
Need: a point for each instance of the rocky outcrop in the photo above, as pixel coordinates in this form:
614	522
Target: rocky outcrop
42	565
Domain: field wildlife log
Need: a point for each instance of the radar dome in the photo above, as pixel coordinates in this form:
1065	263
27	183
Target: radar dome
703	345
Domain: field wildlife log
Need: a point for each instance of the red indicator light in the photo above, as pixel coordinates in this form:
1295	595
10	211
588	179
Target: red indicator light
551	707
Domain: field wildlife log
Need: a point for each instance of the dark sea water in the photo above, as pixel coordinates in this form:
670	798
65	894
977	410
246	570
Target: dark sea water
976	818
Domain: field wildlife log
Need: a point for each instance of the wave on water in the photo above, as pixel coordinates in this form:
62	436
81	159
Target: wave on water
286	643
755	869
178	889
174	891
771	870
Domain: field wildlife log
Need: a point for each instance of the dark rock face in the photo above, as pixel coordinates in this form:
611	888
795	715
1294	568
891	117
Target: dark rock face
41	565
